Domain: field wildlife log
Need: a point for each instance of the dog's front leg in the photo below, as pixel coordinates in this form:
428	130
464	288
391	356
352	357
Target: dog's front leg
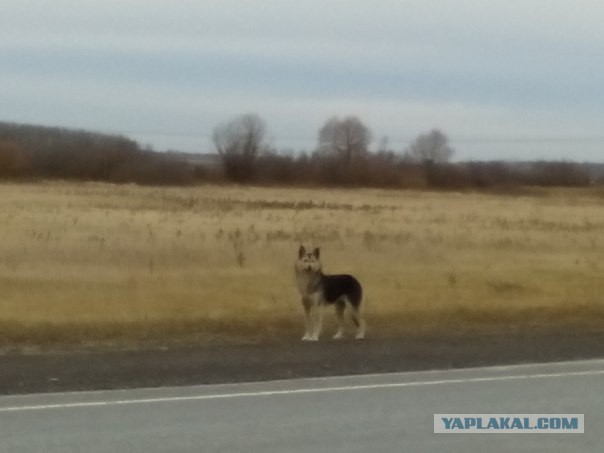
308	324
317	315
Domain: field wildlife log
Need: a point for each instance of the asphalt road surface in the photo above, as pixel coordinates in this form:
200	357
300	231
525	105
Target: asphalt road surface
370	413
55	371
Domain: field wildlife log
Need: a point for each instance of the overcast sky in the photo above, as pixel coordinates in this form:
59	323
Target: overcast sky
503	78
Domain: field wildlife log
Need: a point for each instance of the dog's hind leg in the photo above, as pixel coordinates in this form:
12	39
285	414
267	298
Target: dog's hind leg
359	322
340	307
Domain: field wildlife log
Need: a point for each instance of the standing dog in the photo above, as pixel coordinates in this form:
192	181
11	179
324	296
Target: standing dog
318	290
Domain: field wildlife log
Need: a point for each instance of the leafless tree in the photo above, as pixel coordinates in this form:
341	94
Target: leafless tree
347	138
239	143
432	147
384	144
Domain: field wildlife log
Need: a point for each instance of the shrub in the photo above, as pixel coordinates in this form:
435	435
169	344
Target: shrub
13	162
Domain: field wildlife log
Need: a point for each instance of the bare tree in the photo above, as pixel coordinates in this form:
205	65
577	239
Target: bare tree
347	138
384	144
239	142
432	147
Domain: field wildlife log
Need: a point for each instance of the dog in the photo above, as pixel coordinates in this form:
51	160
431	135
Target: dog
319	290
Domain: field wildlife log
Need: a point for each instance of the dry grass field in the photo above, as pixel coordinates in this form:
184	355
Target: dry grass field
99	264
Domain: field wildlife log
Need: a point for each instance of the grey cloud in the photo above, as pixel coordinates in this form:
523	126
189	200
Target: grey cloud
188	64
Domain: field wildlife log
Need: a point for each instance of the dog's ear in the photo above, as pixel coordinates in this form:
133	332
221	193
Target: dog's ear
301	251
316	252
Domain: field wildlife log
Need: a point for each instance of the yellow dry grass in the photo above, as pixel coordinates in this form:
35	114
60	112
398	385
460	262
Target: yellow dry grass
90	264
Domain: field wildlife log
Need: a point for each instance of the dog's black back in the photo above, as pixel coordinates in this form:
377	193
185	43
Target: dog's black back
338	287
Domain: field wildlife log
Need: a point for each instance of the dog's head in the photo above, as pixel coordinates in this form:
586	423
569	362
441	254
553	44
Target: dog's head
308	261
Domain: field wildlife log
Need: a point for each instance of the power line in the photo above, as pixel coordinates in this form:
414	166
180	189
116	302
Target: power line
503	140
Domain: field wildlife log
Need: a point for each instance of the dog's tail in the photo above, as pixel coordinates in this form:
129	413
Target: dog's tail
355	299
355	293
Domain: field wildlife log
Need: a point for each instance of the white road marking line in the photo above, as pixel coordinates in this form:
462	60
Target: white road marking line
308	380
294	391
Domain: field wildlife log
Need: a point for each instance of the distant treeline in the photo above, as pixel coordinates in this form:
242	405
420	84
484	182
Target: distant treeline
33	152
389	170
56	153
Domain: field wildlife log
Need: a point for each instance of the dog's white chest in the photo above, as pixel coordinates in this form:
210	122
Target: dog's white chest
307	283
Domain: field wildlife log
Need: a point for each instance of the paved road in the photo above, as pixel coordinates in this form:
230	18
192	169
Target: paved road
372	413
55	371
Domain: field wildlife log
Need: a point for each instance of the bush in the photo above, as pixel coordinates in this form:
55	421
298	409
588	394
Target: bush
559	174
13	162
